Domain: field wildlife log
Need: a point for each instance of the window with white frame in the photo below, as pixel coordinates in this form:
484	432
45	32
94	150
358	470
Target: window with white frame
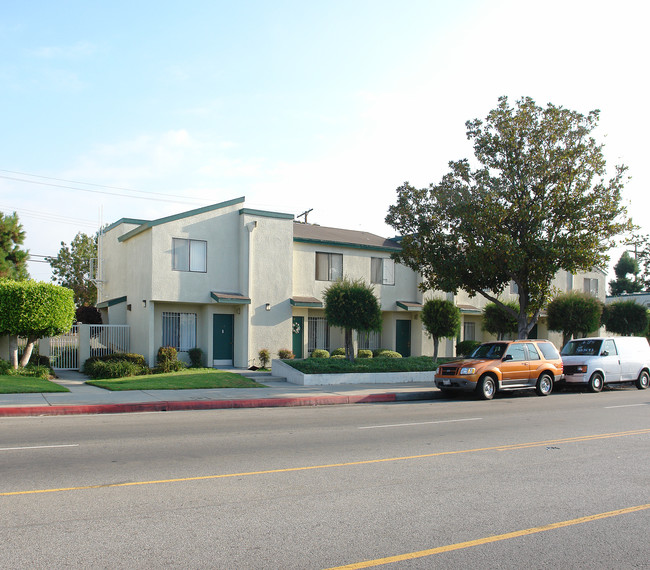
189	255
318	333
382	271
179	330
329	266
569	281
469	331
368	340
591	286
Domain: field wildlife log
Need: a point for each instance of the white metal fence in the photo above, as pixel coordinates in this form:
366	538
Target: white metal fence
70	351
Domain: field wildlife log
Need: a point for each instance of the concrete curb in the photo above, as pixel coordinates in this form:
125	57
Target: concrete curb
71	409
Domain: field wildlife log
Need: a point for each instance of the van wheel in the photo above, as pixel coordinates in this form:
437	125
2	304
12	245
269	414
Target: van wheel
544	384
487	387
643	380
596	382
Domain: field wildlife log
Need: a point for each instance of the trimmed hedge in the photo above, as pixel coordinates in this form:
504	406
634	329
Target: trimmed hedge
363	353
108	365
389	354
319	353
341	365
285	354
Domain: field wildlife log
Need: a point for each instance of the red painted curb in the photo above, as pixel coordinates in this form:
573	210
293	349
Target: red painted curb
193	405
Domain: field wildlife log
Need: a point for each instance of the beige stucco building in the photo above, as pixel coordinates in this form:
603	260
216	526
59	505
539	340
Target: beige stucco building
233	280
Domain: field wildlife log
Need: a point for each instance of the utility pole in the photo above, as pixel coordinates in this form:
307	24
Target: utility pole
305	214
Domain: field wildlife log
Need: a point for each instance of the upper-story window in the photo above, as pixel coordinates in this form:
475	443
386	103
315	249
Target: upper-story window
329	266
382	271
569	281
591	286
189	255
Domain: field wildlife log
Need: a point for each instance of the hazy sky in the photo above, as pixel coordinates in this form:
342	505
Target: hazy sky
293	104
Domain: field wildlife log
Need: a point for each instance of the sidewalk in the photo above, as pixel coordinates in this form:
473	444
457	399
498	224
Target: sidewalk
85	399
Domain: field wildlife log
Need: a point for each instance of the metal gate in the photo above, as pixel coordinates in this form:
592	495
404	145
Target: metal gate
64	350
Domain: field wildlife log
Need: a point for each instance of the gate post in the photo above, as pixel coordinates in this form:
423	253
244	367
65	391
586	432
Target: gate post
84	344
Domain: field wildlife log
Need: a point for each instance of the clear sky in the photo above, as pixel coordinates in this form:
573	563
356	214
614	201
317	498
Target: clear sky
154	108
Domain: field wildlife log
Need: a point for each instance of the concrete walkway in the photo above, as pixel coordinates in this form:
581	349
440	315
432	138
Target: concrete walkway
85	399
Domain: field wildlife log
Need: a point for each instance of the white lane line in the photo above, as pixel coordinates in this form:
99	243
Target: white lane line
38	447
625	406
422	423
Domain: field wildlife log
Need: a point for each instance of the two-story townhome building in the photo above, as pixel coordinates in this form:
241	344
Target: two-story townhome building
232	280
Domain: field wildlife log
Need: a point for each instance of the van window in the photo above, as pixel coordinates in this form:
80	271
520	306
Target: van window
587	347
548	350
610	347
532	351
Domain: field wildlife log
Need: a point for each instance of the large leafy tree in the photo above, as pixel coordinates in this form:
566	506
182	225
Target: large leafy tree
33	310
642	255
574	313
352	305
626	318
13	259
538	201
625	267
499	322
441	319
72	268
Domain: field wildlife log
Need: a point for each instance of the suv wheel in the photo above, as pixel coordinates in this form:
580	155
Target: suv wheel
487	387
544	384
596	382
643	380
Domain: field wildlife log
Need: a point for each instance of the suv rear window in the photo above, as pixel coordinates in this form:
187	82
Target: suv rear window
548	350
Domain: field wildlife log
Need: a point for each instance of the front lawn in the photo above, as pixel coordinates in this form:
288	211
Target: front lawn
188	379
12	384
342	366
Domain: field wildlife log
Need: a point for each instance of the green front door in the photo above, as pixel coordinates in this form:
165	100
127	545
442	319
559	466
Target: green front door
403	337
297	336
222	339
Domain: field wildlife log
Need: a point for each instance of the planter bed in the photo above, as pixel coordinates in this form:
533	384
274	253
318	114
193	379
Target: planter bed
283	370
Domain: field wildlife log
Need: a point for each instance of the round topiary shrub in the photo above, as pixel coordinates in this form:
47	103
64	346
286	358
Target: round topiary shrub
338	352
364	353
377	351
338	356
389	354
286	354
319	353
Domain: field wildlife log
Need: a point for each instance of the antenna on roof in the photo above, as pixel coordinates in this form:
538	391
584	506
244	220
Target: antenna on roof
305	214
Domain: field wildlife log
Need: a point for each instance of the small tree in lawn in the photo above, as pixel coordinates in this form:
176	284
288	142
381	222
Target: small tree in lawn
441	319
498	321
33	310
352	305
626	318
574	313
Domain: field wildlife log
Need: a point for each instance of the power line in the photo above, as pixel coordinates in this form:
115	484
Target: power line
148	196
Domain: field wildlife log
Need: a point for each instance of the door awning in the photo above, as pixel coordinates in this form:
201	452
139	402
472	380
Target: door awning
230	298
409	305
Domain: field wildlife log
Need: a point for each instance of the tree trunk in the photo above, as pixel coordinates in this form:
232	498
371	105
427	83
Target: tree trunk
435	347
349	349
28	351
13	351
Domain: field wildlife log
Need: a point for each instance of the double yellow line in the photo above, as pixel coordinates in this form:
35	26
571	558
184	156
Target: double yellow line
510	447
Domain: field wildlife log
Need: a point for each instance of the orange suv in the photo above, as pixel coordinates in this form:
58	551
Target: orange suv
503	365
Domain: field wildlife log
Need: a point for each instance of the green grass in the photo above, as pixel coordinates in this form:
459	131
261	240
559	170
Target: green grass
184	380
341	366
27	385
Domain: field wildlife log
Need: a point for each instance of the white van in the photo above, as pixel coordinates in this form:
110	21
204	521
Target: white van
605	360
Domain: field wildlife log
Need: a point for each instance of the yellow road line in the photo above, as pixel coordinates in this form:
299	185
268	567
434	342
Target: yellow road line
509	447
489	539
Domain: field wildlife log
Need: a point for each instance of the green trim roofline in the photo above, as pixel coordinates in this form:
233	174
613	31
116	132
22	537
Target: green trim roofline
135	221
345	244
147	225
265	214
111	302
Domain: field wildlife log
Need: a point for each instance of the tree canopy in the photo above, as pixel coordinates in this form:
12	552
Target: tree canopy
441	319
626	318
499	322
574	313
352	305
626	266
33	310
71	268
539	201
13	259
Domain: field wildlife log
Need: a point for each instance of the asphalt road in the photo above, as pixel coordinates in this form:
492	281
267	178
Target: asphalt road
440	484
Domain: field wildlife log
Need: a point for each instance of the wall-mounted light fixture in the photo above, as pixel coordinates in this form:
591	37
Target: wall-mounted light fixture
268	306
144	303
